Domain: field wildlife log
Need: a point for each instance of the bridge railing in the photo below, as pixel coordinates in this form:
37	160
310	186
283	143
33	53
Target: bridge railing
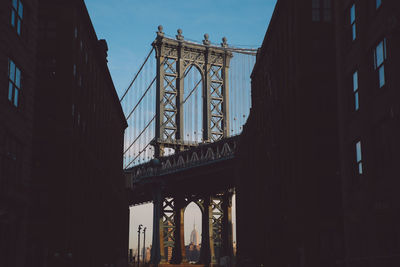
201	155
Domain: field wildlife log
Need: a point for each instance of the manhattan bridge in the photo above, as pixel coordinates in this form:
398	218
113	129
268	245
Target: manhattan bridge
186	107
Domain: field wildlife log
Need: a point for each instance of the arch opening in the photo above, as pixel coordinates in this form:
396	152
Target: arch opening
192	232
193	104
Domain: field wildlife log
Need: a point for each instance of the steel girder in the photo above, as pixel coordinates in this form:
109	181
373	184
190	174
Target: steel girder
174	57
168	230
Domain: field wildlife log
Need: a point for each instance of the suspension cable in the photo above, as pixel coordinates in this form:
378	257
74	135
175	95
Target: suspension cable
137	74
139	101
140	152
191	92
240	94
134	141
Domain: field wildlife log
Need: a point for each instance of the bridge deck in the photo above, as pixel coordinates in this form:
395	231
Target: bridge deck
206	168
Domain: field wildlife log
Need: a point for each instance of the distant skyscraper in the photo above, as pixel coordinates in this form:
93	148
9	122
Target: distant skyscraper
194	236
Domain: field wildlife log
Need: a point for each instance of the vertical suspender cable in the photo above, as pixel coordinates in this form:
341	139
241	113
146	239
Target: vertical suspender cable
141	115
196	114
147	82
243	92
191	109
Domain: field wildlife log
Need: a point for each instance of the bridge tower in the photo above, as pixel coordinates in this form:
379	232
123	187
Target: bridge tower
175	57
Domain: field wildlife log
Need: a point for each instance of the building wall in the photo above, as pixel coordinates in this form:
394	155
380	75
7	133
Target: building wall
81	213
16	122
371	198
288	199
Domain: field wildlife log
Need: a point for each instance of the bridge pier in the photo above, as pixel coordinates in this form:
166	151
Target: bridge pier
157	226
205	251
179	252
227	227
168	229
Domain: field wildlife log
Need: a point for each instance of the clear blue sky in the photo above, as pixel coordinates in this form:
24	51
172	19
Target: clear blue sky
129	27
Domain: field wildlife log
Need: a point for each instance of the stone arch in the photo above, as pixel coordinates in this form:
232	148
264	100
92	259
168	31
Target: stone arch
193	216
193	103
196	65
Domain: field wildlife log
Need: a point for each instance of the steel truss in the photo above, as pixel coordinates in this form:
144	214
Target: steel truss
168	229
174	59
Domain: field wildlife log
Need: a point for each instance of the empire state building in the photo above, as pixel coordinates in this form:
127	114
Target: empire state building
194	236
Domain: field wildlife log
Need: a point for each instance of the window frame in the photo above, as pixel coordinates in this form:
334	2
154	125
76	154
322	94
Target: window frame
355	90
353	24
316	10
326	10
14	89
17	15
378	4
380	68
321	11
359	163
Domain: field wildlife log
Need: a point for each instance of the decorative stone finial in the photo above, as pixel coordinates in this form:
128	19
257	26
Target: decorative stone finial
160	31
179	36
206	41
224	42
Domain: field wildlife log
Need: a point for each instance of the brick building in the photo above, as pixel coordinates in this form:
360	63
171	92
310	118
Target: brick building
368	56
18	24
289	201
80	211
321	140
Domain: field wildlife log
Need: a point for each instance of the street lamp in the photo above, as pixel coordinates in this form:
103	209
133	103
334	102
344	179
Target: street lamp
144	244
139	228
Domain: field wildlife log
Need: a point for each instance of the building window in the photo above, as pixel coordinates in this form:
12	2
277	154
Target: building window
379	61
359	164
355	91
315	10
327	10
378	3
353	21
321	10
14	83
17	11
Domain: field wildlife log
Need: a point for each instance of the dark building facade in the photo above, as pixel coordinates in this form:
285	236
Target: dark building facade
18	25
80	212
368	56
62	190
288	194
321	140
